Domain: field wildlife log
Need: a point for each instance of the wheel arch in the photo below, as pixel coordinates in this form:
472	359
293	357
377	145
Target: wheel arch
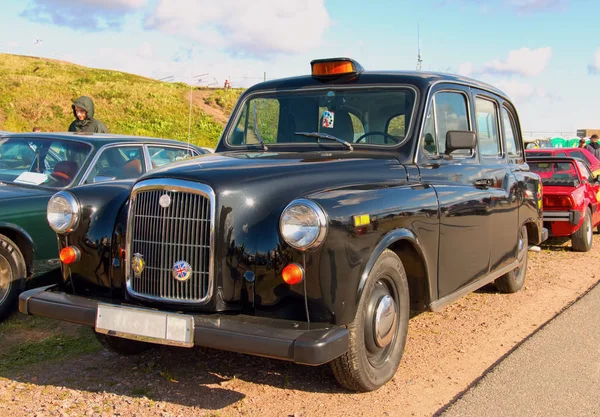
24	242
406	245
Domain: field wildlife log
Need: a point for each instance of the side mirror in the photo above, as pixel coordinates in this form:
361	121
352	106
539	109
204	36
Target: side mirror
460	139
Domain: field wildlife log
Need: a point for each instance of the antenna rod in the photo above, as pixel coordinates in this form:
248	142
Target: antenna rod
419	59
191	94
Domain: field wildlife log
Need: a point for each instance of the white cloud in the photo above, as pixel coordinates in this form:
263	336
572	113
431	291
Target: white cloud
594	67
526	6
466	69
522	91
87	15
524	61
256	28
145	50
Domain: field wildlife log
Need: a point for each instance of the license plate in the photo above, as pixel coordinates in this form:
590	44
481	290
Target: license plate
145	325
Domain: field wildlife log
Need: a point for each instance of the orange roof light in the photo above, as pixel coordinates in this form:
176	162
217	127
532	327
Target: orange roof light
334	67
292	274
69	255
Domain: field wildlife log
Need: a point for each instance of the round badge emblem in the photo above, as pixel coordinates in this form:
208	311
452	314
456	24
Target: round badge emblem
165	201
138	264
182	271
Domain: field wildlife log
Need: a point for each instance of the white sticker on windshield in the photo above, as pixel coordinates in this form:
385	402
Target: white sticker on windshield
328	119
33	178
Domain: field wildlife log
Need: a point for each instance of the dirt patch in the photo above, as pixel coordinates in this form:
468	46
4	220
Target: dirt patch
445	352
199	100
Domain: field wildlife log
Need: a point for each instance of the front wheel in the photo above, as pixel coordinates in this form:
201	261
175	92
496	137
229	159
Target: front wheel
378	332
12	275
581	240
513	281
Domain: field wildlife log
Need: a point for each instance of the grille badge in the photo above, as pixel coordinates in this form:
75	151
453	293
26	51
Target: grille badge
182	271
138	264
164	201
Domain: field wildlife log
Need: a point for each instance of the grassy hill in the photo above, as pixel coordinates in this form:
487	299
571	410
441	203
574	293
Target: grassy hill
39	92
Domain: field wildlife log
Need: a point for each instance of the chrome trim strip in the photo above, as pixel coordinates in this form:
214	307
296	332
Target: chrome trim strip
167	184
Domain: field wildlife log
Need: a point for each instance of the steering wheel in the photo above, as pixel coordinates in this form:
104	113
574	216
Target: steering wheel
385	135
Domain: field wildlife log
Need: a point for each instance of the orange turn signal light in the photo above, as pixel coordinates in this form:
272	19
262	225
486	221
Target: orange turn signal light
333	67
292	274
69	255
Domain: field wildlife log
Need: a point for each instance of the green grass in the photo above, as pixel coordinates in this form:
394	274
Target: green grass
225	99
51	348
39	92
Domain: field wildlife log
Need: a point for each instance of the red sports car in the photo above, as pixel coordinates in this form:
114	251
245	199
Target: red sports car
592	162
570	198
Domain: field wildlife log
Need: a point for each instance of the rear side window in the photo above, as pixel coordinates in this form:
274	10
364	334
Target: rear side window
512	143
487	127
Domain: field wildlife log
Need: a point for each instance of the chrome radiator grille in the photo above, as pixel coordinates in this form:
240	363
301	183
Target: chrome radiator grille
170	228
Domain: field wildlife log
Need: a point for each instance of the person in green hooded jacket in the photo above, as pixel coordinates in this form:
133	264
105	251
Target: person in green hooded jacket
83	109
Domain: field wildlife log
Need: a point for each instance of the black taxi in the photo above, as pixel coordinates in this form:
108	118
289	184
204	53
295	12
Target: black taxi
335	203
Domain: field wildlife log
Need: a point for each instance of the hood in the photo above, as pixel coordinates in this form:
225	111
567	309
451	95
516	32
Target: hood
85	103
293	172
11	192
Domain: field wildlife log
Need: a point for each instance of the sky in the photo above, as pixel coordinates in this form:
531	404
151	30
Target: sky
545	54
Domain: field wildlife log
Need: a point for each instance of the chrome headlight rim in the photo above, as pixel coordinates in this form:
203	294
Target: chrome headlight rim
321	216
75	212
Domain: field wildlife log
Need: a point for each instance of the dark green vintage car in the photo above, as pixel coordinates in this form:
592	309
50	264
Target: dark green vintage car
34	166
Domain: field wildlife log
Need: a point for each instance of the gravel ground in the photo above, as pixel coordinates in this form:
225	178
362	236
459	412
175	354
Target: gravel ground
445	353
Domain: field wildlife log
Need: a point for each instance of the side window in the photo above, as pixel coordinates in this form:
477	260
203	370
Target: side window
117	163
487	127
396	126
585	172
512	144
162	155
450	114
428	143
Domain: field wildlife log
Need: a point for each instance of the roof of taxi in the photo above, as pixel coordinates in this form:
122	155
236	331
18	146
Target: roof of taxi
98	139
421	79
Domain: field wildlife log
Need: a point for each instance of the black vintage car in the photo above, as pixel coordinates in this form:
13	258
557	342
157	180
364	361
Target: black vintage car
334	204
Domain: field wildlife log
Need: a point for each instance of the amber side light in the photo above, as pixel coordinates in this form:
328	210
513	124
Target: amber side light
332	68
69	255
292	274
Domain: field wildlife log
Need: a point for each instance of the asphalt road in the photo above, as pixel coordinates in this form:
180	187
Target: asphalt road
556	372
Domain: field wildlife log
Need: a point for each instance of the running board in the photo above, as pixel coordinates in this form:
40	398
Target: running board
438	305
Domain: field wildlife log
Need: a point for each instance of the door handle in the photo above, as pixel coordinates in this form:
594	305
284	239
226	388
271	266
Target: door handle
483	183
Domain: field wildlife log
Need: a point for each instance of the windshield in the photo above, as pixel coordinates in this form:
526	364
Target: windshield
371	116
39	161
556	173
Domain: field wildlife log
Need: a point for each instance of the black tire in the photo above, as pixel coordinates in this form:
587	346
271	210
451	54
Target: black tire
513	281
582	239
13	272
366	366
125	347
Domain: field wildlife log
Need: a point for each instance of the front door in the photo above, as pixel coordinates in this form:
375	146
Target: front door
462	190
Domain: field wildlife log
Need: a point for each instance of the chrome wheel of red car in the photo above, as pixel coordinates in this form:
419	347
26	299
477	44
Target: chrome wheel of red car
582	239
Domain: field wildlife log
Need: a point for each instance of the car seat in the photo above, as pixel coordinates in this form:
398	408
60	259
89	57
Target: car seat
65	171
132	169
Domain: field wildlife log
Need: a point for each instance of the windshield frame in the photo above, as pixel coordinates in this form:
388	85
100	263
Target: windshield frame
272	93
29	138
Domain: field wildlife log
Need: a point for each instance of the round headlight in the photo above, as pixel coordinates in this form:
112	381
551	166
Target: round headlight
63	212
303	224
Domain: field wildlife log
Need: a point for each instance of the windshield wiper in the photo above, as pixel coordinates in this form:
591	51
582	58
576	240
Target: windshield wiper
324	136
260	139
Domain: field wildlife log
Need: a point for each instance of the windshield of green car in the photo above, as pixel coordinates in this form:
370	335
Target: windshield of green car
41	162
359	116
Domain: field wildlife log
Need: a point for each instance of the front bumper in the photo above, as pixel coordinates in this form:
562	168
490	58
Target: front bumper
299	342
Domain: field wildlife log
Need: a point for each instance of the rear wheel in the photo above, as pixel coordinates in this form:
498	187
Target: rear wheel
122	346
378	332
581	240
513	281
12	275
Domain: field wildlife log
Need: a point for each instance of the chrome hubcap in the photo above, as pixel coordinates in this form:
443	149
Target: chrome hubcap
385	321
5	279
